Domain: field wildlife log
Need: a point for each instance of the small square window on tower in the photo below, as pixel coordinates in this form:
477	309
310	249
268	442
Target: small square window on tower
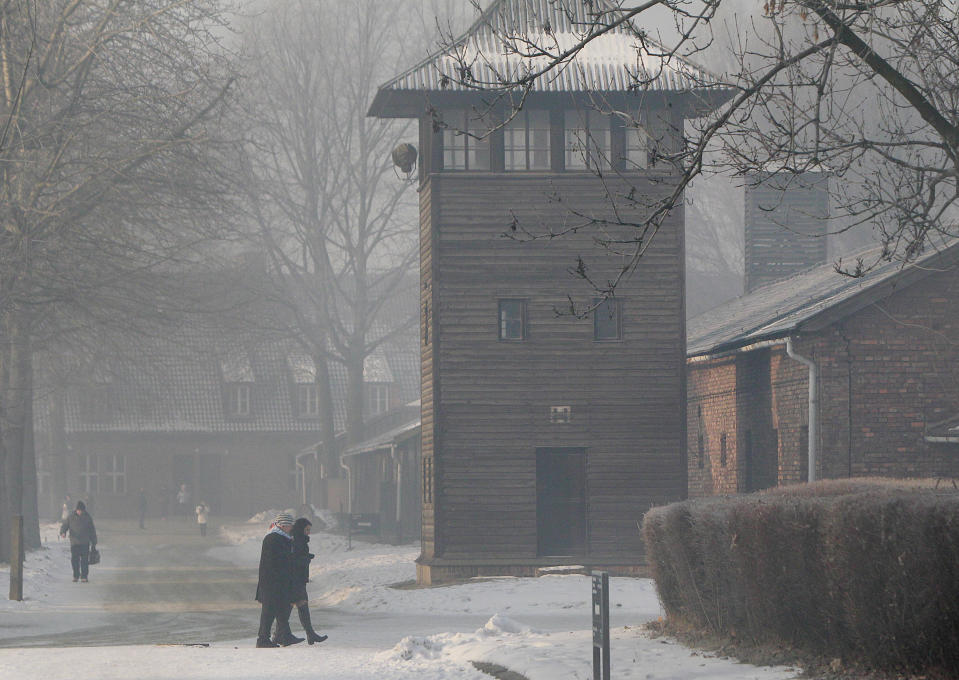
560	414
607	319
512	319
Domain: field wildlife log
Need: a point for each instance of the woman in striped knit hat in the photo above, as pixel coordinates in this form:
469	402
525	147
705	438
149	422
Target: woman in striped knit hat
274	589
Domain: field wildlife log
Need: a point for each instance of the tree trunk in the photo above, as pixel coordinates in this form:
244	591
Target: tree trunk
354	395
15	394
31	507
324	396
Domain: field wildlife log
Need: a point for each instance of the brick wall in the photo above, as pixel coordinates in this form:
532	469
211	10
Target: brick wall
887	371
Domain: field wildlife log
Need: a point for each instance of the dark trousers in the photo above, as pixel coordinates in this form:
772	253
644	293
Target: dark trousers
274	610
203	529
80	560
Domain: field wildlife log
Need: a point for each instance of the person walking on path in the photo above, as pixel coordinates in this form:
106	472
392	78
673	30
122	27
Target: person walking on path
202	514
83	535
142	506
275	584
183	501
301	576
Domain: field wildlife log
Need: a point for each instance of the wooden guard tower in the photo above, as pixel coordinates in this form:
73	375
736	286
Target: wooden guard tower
546	436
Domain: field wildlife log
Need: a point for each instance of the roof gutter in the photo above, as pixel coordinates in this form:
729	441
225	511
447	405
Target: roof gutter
349	483
813	406
762	344
933	439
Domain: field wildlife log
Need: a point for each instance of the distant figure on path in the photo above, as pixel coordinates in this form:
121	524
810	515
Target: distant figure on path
301	575
202	513
65	508
183	500
274	588
142	506
83	535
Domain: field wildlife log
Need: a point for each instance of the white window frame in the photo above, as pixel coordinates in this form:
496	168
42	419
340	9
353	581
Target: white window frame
505	324
43	475
377	398
466	142
307	400
526	141
239	397
114	473
89	473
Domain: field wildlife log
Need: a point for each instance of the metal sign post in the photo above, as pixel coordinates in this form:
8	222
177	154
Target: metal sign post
600	625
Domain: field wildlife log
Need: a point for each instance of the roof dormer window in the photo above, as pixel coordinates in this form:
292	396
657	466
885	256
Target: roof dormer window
237	374
238	400
306	401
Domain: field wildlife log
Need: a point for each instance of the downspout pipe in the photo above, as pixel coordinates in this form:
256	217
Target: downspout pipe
813	405
301	472
399	481
349	484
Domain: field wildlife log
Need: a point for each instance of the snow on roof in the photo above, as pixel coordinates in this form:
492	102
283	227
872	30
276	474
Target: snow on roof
778	309
236	368
376	369
302	368
500	47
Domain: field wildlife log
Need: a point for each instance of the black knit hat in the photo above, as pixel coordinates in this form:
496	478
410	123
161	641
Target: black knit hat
81	506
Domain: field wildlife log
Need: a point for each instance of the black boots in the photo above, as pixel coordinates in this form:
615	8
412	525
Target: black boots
289	639
311	635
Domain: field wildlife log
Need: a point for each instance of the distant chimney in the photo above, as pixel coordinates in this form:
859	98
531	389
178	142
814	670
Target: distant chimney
786	217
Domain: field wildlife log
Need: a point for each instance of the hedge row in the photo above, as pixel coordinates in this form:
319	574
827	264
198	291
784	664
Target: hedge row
864	571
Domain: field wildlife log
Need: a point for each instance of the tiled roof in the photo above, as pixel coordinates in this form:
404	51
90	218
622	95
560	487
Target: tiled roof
610	62
803	301
182	391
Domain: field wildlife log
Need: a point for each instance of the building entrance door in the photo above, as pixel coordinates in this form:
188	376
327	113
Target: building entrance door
561	501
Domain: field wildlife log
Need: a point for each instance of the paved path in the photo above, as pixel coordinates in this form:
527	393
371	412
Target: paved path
154	586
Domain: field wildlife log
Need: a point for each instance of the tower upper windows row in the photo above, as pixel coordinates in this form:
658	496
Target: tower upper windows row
551	141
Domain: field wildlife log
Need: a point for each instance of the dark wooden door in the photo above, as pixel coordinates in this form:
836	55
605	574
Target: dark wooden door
561	501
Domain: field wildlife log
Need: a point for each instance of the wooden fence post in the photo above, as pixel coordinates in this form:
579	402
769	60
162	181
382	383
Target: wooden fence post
16	559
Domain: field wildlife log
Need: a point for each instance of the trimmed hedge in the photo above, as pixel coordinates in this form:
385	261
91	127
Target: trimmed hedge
865	570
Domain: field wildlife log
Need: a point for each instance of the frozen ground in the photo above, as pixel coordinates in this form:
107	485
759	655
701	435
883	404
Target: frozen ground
160	591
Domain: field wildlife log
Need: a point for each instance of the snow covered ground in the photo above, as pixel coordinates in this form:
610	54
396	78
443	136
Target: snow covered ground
538	627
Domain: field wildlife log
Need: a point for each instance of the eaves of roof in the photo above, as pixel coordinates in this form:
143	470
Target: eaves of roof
805	303
611	62
385	440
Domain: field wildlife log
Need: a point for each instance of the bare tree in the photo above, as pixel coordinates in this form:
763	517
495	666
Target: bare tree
866	91
110	110
336	222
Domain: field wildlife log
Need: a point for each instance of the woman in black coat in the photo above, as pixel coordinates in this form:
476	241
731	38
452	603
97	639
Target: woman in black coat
301	574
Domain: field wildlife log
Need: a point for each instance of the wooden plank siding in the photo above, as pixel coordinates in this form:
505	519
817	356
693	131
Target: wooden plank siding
483	427
429	384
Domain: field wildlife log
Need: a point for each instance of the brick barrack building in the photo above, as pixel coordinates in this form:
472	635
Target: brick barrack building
882	352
